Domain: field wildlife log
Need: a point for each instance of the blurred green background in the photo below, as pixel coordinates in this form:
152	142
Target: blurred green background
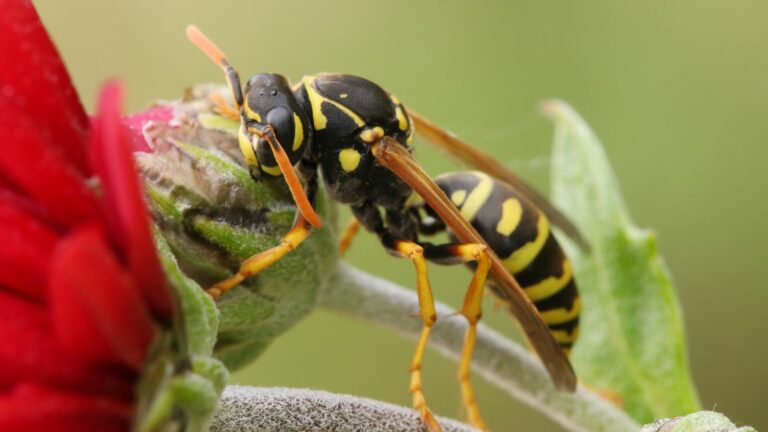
677	91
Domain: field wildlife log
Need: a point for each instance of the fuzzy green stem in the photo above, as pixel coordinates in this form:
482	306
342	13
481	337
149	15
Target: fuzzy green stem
244	409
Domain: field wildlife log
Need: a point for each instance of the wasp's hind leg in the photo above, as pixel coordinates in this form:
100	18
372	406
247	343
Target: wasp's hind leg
290	241
369	216
470	309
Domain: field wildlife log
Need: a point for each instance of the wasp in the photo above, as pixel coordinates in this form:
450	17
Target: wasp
360	137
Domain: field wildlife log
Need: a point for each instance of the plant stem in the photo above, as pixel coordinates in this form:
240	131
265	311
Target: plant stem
277	409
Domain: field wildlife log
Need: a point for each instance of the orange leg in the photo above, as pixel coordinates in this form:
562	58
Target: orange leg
428	316
253	265
471	309
349	234
224	108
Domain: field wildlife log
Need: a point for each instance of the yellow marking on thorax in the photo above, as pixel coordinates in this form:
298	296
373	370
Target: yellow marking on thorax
511	213
349	159
458	197
561	315
343	96
275	170
402	120
563	336
370	135
298	132
246	148
521	258
251	114
316	100
477	197
551	285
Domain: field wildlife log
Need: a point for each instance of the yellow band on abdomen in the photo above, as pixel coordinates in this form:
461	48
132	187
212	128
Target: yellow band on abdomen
521	258
551	285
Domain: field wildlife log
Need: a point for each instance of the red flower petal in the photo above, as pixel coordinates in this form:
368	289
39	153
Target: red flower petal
96	309
128	220
30	354
34	81
22	313
5	182
36	408
28	159
17	200
24	251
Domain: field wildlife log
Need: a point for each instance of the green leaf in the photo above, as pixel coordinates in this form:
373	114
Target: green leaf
632	341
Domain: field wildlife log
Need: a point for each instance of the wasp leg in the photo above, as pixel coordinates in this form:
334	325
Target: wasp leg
290	241
253	265
350	231
369	216
224	108
428	316
470	309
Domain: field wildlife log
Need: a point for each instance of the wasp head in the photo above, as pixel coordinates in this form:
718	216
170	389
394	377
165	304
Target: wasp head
270	104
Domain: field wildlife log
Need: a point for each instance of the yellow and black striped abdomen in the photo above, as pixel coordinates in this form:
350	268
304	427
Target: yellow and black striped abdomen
520	235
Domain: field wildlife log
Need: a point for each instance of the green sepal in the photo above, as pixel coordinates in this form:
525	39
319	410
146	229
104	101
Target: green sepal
154	404
213	370
196	395
199	317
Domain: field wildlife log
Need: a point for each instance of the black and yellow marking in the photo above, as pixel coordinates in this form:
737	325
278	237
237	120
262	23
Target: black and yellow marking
520	235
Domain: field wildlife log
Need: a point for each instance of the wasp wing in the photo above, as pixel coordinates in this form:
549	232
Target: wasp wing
397	159
482	161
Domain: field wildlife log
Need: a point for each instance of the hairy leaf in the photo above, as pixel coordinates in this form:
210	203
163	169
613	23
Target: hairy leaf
632	343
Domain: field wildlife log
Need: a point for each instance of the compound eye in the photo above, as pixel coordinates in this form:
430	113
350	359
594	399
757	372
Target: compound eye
289	129
281	119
